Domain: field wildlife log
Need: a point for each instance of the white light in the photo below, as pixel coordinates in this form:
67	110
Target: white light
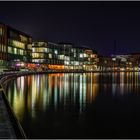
56	52
85	55
114	59
81	55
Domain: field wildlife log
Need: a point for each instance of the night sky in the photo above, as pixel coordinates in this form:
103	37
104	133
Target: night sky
94	24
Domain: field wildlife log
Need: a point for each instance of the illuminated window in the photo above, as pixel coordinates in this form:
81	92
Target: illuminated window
56	52
41	44
85	55
21	52
17	44
72	62
76	63
15	50
29	46
72	50
81	55
35	55
114	59
66	62
40	50
38	60
50	55
33	49
61	57
38	55
10	49
67	58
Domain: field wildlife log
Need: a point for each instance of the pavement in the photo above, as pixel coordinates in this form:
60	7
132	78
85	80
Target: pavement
6	128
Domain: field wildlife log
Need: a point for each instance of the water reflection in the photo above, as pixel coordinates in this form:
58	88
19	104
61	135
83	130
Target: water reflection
36	96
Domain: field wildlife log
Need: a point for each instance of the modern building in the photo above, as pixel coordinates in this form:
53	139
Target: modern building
63	56
47	55
15	48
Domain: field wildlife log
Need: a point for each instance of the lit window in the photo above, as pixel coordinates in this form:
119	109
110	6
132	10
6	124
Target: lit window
9	49
85	55
15	50
29	46
21	52
66	62
67	58
72	50
61	57
38	60
81	55
33	49
76	63
40	50
17	44
56	52
50	55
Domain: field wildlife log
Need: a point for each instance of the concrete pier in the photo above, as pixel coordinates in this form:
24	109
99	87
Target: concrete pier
6	128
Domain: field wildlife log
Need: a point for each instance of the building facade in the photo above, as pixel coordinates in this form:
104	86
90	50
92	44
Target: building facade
15	48
18	52
63	56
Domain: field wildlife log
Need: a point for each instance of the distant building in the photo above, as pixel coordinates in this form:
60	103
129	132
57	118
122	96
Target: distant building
126	62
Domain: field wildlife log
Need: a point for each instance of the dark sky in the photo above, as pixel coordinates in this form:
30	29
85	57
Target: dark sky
94	24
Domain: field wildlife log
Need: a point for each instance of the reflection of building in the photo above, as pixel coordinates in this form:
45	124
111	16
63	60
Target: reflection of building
105	63
15	48
64	56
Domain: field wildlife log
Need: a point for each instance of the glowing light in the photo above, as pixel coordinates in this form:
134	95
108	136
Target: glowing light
81	55
17	44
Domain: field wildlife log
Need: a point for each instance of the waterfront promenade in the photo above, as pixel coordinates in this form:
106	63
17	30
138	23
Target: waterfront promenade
6	128
9	125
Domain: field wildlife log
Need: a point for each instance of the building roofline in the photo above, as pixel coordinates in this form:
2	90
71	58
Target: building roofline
17	30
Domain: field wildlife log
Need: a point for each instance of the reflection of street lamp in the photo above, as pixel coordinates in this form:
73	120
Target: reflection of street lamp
113	59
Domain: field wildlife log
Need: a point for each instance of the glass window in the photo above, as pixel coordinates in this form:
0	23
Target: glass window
10	49
15	50
81	55
38	60
29	46
21	52
40	50
33	49
61	57
67	58
55	51
38	55
50	55
17	44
